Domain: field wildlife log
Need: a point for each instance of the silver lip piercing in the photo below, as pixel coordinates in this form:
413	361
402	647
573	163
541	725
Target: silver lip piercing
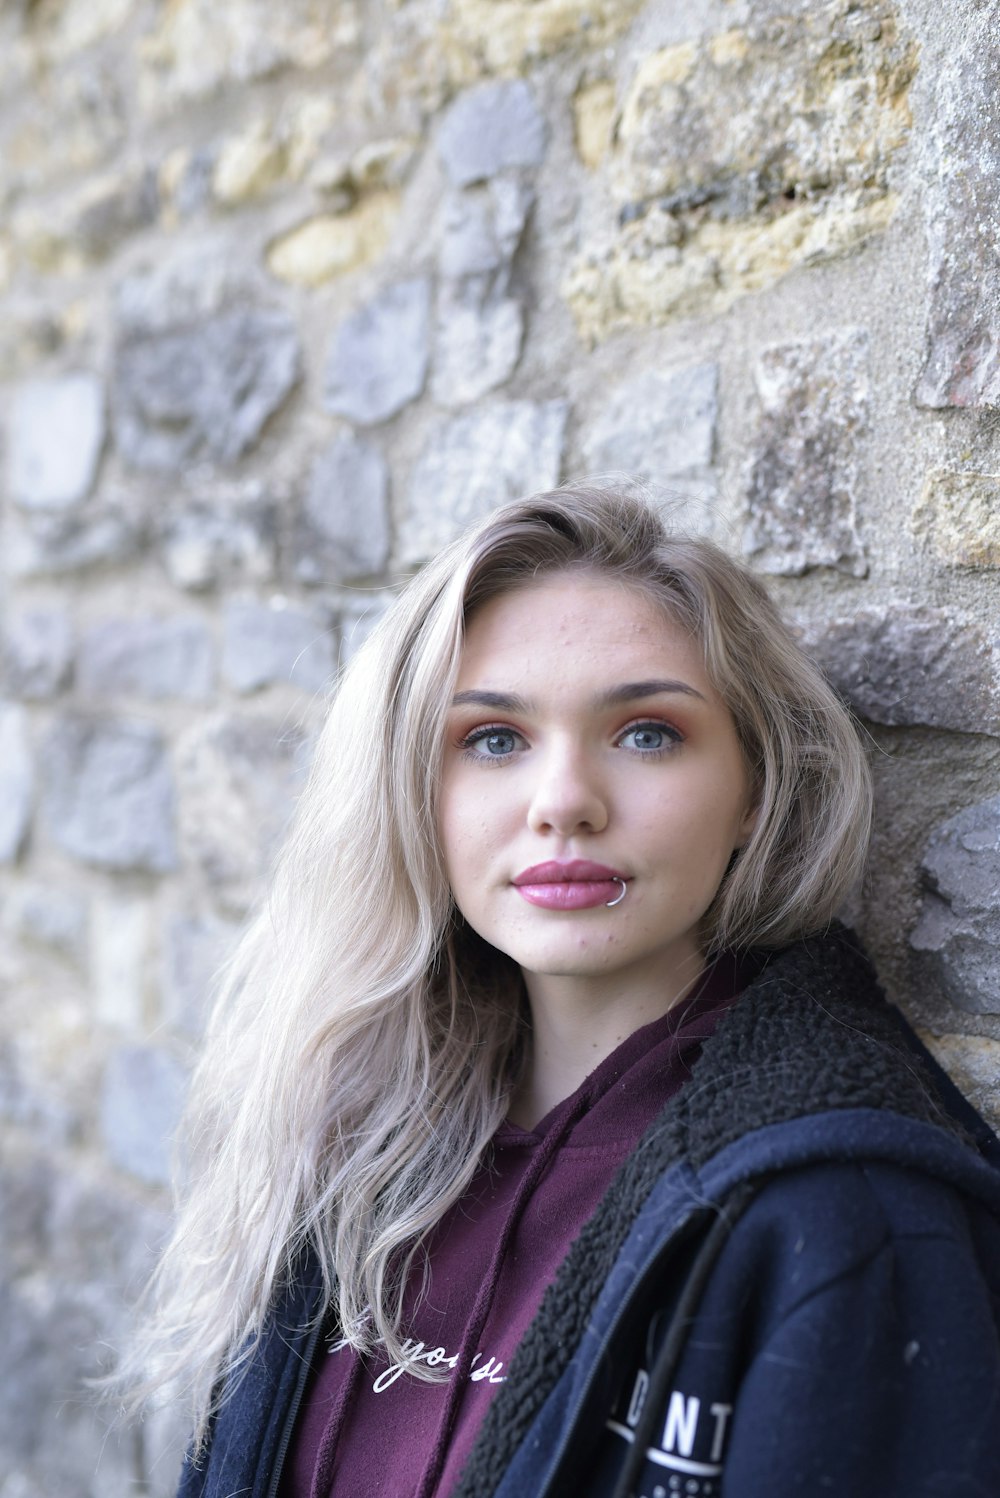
618	898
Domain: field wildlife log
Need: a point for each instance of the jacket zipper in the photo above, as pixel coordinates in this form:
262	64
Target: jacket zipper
684	1229
308	1355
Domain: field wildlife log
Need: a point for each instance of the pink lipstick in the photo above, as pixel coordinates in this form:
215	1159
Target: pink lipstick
578	884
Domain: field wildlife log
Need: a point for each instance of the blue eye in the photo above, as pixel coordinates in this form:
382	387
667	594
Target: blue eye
649	738
491	743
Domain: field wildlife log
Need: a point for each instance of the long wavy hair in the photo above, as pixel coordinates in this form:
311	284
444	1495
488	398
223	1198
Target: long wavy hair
364	1041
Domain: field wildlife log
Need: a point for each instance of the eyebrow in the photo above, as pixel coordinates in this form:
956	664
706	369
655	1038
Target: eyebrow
629	691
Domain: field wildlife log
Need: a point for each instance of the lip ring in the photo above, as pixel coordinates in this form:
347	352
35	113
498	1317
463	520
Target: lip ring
618	898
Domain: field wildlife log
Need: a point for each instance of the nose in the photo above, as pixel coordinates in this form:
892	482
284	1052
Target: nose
567	796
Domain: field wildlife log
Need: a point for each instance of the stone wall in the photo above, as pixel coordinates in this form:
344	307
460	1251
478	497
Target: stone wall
288	293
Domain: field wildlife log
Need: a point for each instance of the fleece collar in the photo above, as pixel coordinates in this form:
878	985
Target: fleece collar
812	1033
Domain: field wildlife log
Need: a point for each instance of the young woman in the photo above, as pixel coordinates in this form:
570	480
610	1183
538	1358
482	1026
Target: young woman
550	1137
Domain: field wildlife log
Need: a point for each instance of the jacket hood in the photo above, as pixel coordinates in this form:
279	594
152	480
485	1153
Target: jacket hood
810	1063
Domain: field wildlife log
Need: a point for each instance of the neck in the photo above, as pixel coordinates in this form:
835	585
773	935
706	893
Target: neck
575	1024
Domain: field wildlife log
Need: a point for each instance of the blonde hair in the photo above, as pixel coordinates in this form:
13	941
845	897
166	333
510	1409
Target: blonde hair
364	1040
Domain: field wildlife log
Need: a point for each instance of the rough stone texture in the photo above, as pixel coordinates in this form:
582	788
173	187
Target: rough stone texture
959	927
344	527
908	664
805	467
479	325
48	1425
194	947
608	198
146	656
742	155
264	643
489	128
334	243
974	1063
102	535
204	390
37	653
198	46
658	424
477	345
140	1109
476	462
52	919
55	432
248	165
120	941
108	795
378	362
237	776
17	780
481	228
962	162
958	518
229	540
593	118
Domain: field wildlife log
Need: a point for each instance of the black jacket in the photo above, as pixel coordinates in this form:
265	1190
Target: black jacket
791	1288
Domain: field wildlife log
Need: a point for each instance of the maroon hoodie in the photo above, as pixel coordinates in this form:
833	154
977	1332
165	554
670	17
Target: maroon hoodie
366	1427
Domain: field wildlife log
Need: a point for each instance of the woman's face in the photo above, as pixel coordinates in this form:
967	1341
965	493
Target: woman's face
586	744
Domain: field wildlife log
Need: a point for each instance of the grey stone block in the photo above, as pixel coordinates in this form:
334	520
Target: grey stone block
476	348
37	653
126	206
960	168
61	545
378	361
145	656
263	643
141	1105
481	228
474	463
804	471
656	424
120	942
958	934
50	918
55	433
17	780
238	776
344	526
488	128
908	664
193	949
56	1336
207	543
108	793
203	391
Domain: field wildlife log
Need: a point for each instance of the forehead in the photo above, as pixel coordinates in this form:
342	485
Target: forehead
576	622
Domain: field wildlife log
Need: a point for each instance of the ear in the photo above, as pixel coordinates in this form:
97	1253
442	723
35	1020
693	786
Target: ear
747	823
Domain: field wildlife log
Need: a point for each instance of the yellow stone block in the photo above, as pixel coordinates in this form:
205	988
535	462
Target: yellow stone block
729	49
593	113
958	517
655	86
655	271
332	244
301	128
199	45
79	23
248	165
506	36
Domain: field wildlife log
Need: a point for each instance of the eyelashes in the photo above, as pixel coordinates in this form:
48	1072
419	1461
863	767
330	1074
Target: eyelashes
497	743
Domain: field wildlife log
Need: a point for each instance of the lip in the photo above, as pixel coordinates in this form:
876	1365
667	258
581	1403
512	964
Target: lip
575	871
578	884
